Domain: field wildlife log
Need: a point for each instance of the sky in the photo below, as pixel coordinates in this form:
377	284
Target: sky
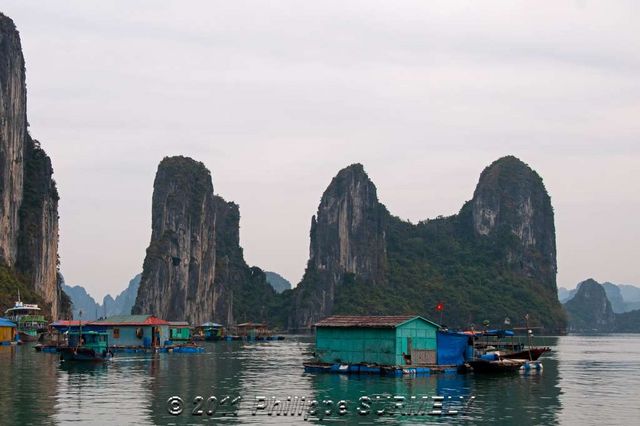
276	97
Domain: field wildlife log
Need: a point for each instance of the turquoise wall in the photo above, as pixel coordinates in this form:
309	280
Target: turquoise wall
355	345
180	333
374	345
423	336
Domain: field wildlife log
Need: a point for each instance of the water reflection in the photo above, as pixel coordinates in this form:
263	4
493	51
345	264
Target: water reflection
585	380
599	379
99	393
27	386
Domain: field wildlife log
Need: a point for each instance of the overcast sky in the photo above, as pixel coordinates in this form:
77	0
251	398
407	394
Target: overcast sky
276	97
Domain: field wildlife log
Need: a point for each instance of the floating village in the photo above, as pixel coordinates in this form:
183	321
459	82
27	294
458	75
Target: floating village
381	345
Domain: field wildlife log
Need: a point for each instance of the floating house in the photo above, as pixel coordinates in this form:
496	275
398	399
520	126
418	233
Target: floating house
383	340
179	331
133	330
7	331
61	330
210	331
252	330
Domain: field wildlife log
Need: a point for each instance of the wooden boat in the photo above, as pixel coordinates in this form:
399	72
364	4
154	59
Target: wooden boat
531	354
485	366
88	346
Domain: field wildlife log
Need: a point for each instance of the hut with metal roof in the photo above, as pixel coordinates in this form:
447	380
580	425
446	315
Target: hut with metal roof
7	331
384	340
179	331
133	330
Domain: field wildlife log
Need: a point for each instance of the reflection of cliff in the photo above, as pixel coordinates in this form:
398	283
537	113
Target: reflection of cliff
27	386
103	394
183	376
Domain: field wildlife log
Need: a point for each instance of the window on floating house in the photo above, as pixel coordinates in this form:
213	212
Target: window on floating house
116	333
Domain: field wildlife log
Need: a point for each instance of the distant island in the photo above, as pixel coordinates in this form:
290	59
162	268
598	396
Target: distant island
277	281
590	307
91	309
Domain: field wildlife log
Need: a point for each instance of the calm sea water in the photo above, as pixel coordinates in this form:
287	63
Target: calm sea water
586	380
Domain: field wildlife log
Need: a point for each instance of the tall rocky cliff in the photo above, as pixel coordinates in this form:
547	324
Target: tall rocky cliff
347	239
28	194
194	269
178	271
511	203
494	259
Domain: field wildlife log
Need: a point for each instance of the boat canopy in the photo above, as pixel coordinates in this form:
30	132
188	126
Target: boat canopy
6	323
19	306
211	324
499	333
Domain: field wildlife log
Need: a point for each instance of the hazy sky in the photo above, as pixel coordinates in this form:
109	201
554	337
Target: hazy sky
276	97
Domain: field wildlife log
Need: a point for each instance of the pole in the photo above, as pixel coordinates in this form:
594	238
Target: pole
80	332
526	317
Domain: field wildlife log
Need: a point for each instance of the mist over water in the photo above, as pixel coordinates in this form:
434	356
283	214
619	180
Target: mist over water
586	380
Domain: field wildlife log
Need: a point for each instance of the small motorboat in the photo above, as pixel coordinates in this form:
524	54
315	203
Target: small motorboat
88	346
484	366
531	354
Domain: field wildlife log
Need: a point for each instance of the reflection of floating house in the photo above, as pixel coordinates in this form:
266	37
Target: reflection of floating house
7	331
133	330
179	331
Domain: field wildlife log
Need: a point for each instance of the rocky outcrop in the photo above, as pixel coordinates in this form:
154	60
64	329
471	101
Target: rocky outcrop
615	297
243	292
511	204
347	239
590	310
348	233
496	258
28	194
194	269
124	301
178	271
13	132
38	241
84	306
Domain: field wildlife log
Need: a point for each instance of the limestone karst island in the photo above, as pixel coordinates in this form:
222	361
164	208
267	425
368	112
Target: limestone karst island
504	307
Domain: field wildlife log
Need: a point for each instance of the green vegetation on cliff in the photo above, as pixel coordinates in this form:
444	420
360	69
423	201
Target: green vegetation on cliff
495	259
438	261
10	283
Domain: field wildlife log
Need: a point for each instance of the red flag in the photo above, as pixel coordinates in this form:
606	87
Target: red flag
440	307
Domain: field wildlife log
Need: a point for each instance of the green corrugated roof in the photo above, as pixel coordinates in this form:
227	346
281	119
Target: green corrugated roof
124	318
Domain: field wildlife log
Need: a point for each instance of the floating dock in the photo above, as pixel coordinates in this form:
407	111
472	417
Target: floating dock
383	370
